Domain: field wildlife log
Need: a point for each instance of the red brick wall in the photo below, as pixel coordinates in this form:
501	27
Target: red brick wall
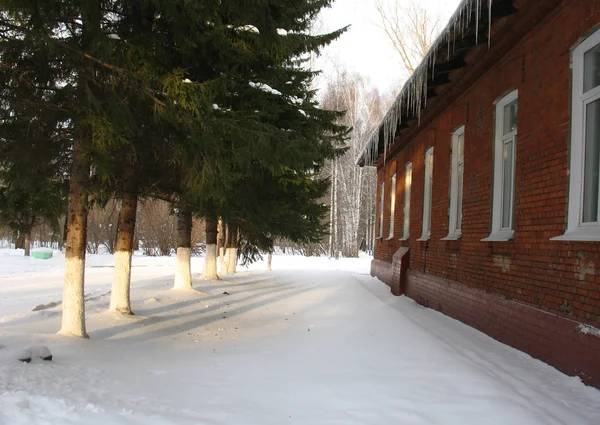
550	338
557	277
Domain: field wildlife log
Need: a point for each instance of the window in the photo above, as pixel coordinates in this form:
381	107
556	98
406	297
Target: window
392	203
381	195
583	221
407	186
456	184
427	195
504	168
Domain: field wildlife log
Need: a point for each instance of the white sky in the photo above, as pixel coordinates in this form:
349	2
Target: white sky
365	48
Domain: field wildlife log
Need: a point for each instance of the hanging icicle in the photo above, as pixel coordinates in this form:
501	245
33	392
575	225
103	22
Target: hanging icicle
413	95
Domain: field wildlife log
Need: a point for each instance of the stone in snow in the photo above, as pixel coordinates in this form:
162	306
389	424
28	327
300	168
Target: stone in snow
35	352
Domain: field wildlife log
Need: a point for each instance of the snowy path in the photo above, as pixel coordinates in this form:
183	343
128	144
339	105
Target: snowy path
310	346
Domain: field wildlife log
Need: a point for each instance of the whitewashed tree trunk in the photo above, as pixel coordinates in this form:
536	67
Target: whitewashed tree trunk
269	260
210	263
120	292
183	270
231	260
210	260
73	303
120	299
223	261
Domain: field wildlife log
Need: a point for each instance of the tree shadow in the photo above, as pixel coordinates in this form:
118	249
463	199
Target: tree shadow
153	317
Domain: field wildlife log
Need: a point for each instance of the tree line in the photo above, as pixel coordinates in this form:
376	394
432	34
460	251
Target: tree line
206	105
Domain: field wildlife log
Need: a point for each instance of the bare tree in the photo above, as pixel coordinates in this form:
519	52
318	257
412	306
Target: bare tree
156	227
410	27
102	227
351	197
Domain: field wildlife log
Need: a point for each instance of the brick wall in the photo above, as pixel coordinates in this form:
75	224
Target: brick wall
556	277
555	340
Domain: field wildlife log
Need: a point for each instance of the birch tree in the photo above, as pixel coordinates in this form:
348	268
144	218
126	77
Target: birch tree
351	197
410	27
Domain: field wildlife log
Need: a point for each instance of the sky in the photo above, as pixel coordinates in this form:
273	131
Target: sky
365	48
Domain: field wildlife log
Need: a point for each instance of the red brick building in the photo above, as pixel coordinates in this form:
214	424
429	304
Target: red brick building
488	179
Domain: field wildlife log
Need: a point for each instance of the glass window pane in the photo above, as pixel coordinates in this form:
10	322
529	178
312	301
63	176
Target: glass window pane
392	203
591	162
510	117
459	196
460	142
381	194
507	184
407	185
591	69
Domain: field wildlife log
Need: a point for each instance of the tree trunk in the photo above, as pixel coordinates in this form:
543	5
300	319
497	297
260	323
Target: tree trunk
19	240
27	243
120	299
183	272
73	305
210	260
332	190
231	249
269	260
224	249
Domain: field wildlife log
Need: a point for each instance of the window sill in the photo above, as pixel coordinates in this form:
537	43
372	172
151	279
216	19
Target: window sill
404	238
389	238
580	234
452	237
501	236
423	239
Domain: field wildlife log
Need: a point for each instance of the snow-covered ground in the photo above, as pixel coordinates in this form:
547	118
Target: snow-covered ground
315	341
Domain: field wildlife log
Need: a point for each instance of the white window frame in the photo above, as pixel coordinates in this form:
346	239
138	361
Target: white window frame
392	204
498	232
427	195
407	189
454	231
381	205
576	229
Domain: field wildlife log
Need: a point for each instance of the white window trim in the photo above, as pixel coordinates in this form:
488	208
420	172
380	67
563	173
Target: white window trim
576	230
454	233
392	205
381	207
427	196
498	233
406	212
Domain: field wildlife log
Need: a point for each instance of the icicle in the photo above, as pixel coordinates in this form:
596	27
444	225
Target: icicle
477	23
489	23
413	95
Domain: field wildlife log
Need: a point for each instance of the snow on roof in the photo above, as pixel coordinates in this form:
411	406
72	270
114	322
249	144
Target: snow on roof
413	95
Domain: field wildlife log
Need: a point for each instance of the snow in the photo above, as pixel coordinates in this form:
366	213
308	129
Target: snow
585	329
249	28
265	88
114	36
315	341
281	31
187	80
